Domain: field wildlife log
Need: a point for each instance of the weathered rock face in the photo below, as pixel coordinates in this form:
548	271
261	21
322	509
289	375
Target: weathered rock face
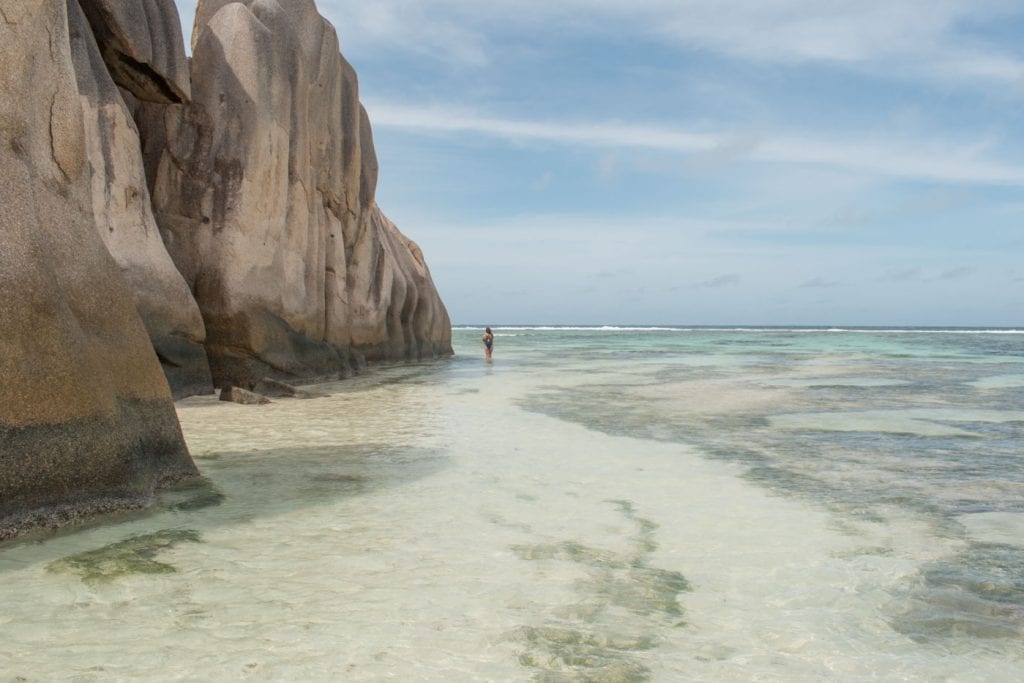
142	46
271	258
86	418
120	196
264	189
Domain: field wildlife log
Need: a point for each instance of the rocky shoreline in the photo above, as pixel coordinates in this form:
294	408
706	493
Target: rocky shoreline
176	225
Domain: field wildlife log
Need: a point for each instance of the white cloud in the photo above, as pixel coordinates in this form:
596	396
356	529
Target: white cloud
439	30
929	160
909	38
612	134
825	30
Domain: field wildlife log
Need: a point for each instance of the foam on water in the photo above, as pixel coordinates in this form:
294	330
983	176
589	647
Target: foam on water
560	514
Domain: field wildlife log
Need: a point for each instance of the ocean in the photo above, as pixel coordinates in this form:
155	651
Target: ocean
596	504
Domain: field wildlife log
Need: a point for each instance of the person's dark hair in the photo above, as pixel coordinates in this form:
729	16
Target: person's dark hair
488	330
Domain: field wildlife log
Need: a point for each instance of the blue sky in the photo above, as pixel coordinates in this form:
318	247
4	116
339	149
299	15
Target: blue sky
831	162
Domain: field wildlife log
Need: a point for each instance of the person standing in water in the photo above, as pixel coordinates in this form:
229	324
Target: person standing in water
488	340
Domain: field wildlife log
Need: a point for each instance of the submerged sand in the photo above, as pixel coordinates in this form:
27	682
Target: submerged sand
417	523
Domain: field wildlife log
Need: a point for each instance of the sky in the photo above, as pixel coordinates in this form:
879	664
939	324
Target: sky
702	162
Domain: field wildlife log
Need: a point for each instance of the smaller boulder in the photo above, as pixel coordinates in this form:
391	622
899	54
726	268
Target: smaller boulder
243	396
278	389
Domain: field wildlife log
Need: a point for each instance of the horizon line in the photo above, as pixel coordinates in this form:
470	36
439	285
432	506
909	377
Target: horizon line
740	326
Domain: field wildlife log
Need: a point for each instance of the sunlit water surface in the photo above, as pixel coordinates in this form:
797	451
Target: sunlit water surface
608	505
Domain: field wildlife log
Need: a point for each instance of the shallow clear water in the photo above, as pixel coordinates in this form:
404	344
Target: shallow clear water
661	504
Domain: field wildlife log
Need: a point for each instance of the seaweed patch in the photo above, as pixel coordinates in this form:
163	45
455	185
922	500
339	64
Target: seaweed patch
134	555
626	608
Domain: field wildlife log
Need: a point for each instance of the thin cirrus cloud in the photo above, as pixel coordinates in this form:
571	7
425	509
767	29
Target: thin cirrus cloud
956	273
819	283
915	38
963	163
925	39
920	275
905	275
720	281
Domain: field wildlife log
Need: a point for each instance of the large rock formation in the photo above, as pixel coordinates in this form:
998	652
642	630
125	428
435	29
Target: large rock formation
86	418
264	189
266	254
147	57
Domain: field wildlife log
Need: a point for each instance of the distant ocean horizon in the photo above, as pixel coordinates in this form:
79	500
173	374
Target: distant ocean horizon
966	329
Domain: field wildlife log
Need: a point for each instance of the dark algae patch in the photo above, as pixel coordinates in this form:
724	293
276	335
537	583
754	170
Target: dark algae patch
197	495
205	498
624	609
134	555
979	593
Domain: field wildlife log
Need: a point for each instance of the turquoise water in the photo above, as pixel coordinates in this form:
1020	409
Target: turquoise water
858	422
595	504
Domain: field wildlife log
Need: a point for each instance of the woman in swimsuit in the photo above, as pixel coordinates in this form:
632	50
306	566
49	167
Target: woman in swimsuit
488	340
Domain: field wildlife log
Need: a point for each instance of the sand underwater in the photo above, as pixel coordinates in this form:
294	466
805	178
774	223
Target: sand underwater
594	505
